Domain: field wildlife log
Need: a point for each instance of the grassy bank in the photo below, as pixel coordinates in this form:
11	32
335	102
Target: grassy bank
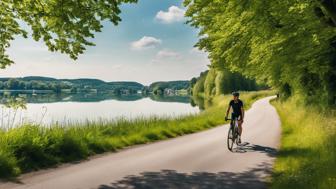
307	157
32	147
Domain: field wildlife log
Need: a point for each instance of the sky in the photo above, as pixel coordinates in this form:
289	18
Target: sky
152	43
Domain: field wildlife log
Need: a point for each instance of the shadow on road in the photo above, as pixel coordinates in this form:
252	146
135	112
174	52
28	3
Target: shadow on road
171	179
246	147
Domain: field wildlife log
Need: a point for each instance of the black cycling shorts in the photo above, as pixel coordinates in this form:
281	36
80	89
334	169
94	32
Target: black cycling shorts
234	115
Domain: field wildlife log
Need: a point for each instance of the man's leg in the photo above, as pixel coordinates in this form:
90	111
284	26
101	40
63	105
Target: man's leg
240	127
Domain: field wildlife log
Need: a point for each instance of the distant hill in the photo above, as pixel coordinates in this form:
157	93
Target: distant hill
38	78
72	85
90	85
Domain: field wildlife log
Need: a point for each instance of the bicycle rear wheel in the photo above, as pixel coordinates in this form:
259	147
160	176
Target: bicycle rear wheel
230	139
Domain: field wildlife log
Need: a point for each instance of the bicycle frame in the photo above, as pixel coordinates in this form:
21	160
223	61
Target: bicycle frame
235	122
236	125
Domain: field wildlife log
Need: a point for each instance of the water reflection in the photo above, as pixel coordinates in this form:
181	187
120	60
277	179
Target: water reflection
89	97
200	102
47	108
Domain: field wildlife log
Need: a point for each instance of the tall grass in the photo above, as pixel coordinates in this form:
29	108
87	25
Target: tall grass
32	147
307	157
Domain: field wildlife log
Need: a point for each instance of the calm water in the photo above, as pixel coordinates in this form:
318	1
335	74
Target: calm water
51	108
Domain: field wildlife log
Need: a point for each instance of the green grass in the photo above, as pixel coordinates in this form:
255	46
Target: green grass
307	156
32	147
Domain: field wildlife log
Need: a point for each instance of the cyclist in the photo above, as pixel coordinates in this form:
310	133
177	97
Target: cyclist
237	112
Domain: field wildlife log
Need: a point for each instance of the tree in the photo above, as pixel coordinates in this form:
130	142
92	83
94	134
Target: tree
73	90
217	82
12	84
193	81
290	45
209	84
198	88
64	26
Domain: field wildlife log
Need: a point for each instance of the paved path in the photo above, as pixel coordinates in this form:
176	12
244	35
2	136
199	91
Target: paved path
198	160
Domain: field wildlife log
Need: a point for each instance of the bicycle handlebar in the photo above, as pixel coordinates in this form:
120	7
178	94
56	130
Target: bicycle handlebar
227	119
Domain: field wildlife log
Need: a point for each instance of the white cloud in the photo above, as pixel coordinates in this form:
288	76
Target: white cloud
166	56
166	53
174	14
197	52
145	43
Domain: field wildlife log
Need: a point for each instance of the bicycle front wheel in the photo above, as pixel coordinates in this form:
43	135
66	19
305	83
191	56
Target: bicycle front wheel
230	139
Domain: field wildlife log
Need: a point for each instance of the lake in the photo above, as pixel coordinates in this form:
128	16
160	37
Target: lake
63	108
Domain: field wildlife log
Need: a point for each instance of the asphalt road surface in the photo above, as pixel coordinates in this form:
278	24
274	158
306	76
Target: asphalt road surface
199	160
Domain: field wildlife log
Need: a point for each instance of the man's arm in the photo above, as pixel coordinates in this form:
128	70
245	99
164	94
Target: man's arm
243	114
228	111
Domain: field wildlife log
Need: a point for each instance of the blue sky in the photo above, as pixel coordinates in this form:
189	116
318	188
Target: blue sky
152	43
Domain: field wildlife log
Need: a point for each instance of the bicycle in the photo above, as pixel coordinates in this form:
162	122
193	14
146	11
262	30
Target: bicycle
233	134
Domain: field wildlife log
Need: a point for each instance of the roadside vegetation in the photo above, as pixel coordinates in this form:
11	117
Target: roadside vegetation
216	82
31	147
291	47
307	156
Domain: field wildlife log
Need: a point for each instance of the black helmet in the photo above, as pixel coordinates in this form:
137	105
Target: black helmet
235	93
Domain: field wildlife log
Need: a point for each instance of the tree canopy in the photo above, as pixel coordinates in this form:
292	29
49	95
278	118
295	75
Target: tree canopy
288	44
216	82
63	25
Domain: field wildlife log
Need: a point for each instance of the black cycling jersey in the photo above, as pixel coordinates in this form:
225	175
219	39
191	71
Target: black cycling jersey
237	106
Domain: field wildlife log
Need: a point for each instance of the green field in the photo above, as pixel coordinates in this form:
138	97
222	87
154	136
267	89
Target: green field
32	147
307	157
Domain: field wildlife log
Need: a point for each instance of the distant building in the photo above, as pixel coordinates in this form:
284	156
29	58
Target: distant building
169	92
125	92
